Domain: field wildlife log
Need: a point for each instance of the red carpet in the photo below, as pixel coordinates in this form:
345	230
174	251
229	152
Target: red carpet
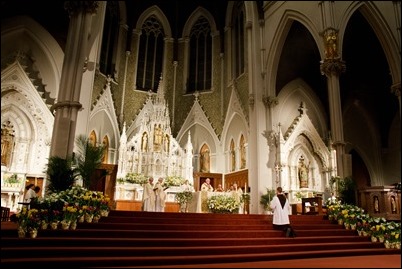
131	238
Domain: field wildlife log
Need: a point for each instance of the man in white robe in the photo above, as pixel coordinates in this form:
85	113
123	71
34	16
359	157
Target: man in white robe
160	196
280	207
148	197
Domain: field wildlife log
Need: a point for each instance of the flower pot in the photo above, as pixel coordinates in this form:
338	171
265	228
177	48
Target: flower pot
54	225
89	217
81	219
44	225
73	225
96	219
65	225
33	233
21	232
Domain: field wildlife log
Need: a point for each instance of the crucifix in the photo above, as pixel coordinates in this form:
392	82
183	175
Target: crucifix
278	169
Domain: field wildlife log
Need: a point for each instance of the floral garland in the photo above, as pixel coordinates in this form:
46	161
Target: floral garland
223	204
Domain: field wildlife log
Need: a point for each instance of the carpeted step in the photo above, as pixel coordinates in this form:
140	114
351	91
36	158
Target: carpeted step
173	242
132	261
128	239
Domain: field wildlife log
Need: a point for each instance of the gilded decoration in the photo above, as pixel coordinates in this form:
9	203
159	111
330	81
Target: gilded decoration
330	67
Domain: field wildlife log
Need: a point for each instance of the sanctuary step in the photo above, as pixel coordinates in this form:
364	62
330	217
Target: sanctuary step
136	239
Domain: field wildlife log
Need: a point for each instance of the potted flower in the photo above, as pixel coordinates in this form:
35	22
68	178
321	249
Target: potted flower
33	222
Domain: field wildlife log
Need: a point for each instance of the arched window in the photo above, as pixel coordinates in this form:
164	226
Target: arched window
238	39
150	56
200	60
107	60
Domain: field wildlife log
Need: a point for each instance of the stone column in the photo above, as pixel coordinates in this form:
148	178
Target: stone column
76	54
332	66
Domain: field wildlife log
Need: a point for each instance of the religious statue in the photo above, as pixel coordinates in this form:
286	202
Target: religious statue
205	161
303	174
242	155
7	141
331	50
144	142
393	205
158	135
376	205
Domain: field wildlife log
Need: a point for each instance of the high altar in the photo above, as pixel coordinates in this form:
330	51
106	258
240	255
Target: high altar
149	148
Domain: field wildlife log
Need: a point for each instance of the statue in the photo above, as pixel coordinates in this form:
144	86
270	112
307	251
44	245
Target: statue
303	174
144	142
393	205
376	205
205	159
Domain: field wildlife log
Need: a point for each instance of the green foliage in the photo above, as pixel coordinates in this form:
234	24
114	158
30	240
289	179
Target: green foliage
88	159
60	174
266	198
346	190
184	197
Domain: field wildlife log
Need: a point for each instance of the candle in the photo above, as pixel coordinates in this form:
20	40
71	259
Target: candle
245	187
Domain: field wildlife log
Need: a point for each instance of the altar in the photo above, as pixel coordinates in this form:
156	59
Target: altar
198	204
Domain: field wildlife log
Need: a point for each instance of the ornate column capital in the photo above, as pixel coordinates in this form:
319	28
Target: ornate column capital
74	7
330	67
270	101
396	89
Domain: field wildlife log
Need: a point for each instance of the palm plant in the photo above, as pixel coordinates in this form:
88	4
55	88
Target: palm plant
60	174
88	159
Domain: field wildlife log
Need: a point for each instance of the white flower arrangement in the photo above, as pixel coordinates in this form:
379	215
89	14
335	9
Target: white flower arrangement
173	181
223	204
136	178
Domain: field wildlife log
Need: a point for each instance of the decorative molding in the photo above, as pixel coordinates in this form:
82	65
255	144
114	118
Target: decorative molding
330	67
74	7
270	101
396	89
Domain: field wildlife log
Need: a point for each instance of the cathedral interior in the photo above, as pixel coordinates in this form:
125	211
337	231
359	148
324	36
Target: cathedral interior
241	92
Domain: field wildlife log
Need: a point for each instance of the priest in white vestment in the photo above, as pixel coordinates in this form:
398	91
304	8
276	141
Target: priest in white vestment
148	197
160	196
